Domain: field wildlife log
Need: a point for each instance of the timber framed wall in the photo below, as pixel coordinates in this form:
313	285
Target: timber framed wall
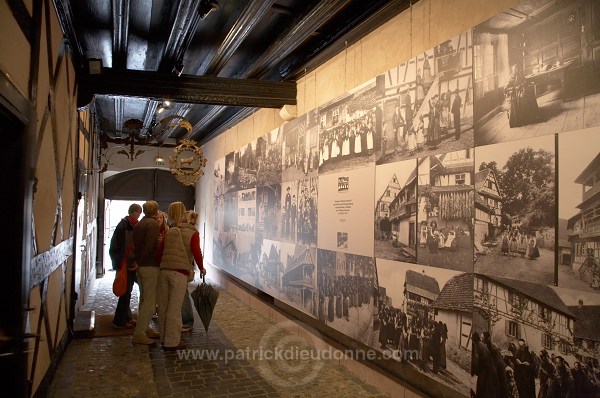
62	196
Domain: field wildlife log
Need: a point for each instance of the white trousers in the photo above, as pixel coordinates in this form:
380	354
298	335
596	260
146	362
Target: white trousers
147	278
171	291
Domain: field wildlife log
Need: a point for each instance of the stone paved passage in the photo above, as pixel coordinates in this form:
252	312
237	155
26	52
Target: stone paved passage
225	362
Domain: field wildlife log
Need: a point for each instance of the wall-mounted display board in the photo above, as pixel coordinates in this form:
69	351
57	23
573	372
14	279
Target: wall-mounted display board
446	212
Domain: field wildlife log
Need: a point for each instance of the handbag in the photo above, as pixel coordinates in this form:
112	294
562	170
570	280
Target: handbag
120	282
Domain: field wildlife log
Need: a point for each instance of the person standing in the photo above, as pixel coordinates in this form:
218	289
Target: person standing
456	105
119	242
182	248
145	242
175	212
524	371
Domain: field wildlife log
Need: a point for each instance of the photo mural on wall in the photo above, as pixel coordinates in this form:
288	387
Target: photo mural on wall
268	154
300	147
445	210
396	211
463	224
536	70
219	194
579	243
346	293
428	102
350	129
426	324
516	210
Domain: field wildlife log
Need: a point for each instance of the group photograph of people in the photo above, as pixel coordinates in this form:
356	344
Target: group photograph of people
428	103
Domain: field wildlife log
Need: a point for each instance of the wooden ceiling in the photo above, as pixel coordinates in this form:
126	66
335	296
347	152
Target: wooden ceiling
218	62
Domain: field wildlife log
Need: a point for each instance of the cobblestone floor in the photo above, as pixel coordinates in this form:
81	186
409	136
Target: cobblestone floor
223	362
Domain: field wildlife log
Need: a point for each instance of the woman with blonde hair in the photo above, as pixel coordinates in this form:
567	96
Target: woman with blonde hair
176	211
181	249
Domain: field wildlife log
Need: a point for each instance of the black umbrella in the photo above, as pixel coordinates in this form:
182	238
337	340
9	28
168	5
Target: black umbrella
205	298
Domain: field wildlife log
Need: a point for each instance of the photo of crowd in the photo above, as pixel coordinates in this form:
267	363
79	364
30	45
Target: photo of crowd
346	287
424	324
300	152
349	132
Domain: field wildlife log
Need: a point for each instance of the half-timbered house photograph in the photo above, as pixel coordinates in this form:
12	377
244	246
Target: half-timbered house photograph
300	153
396	211
428	102
516	210
579	206
445	210
425	320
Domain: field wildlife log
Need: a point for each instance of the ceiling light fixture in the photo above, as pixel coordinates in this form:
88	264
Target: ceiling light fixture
206	7
164	105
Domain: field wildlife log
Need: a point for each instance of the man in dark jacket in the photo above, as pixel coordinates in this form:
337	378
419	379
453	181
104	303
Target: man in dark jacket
119	242
145	242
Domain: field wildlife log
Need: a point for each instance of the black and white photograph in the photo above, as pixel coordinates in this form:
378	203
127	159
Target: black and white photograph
346	302
536	70
305	225
299	211
268	211
268	154
396	211
246	207
534	340
578	210
247	257
428	102
289	212
298	277
350	130
219	194
425	317
224	253
445	210
246	166
516	210
230	215
230	172
347	197
270	265
300	149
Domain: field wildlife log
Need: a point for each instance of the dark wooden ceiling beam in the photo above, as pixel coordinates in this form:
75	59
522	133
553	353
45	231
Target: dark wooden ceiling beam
120	19
353	29
294	37
250	16
182	31
186	89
